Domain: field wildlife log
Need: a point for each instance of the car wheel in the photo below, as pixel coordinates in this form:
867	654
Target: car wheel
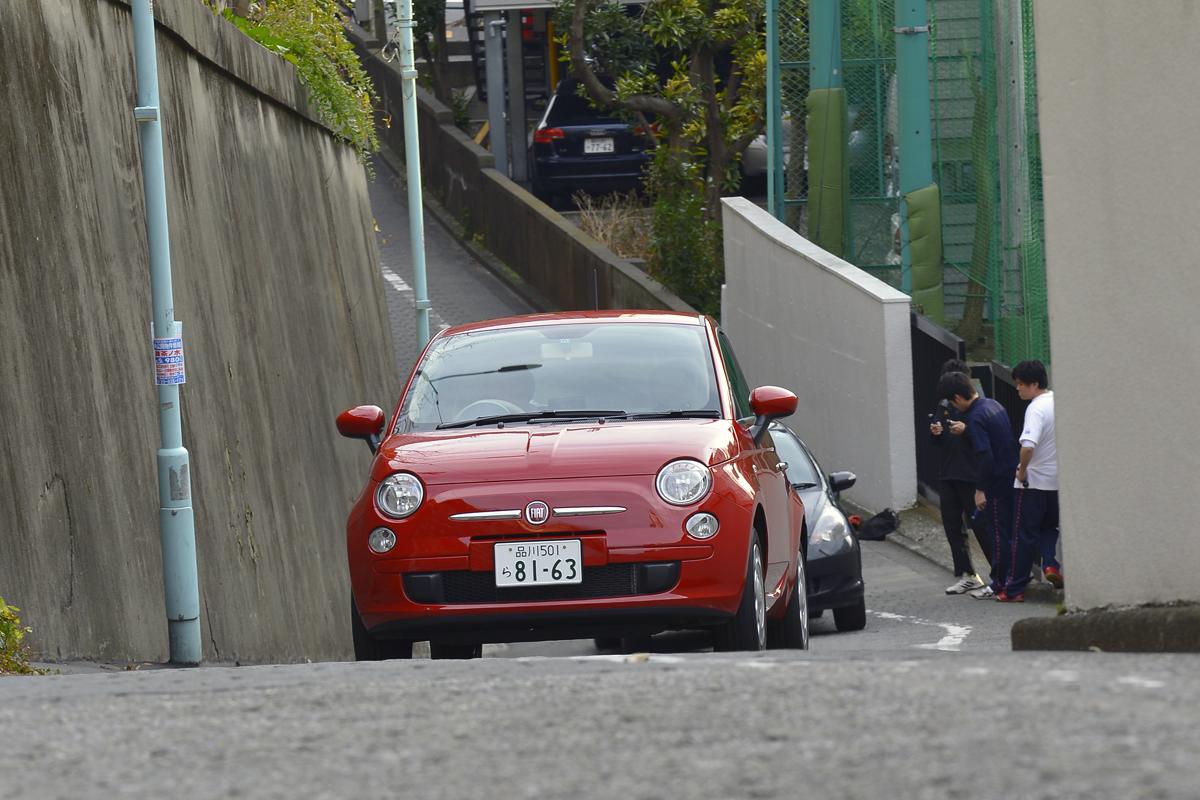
455	651
791	632
851	618
607	642
369	648
748	628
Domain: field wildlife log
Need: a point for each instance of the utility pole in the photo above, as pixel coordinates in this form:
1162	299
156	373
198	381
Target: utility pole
412	167
176	525
515	58
493	32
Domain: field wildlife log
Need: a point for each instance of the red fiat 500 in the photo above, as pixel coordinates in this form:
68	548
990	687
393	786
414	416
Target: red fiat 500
589	474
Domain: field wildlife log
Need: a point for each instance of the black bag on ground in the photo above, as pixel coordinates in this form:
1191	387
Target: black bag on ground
879	526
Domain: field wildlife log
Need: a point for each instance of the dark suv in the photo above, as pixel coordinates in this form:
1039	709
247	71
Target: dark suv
577	147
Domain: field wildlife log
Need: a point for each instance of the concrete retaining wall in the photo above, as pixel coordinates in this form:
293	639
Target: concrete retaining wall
277	285
836	336
569	268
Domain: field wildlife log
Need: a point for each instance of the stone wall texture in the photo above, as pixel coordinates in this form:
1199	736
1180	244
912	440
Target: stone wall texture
276	283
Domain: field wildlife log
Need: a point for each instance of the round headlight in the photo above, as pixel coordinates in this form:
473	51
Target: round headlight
702	526
831	533
399	495
683	482
381	540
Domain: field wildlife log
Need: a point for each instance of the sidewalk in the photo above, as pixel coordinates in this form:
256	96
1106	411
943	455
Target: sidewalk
461	289
921	532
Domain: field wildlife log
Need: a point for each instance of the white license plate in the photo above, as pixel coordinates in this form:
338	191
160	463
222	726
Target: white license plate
539	563
597	145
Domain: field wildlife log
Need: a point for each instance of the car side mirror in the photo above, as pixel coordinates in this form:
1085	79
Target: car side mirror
769	403
362	422
841	481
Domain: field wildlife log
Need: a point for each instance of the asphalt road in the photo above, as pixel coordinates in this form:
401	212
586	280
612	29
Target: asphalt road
925	703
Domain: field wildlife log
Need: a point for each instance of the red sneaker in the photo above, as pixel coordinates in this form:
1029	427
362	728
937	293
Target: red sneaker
1054	577
1005	597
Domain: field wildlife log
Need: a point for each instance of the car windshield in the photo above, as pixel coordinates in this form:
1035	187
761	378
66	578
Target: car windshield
534	374
801	470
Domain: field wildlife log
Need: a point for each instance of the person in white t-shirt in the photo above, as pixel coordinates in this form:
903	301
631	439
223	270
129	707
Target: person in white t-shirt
1035	511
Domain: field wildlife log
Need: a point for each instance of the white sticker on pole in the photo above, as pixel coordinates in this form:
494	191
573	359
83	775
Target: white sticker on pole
168	360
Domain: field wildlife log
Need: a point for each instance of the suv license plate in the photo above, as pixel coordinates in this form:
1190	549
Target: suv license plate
539	563
597	146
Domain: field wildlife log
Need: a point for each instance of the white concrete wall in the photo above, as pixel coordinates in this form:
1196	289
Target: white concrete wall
1120	134
839	338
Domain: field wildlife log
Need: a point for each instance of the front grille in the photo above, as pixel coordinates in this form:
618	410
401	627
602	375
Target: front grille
613	580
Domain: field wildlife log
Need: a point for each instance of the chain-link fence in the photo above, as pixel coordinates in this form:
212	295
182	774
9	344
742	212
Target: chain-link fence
985	150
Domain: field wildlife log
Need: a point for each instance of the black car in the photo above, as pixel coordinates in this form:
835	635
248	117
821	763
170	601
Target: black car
577	147
834	562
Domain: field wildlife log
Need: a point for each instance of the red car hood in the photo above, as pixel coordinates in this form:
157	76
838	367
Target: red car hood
555	451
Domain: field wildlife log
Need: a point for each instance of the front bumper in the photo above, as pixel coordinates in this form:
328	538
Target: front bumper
835	581
546	625
640	569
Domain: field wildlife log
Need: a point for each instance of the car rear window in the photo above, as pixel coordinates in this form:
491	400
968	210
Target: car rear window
568	108
639	368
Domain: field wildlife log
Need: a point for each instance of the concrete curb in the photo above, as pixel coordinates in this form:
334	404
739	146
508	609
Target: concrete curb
1147	629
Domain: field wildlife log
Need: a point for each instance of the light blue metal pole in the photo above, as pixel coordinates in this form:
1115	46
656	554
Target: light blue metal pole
412	165
916	148
775	187
180	584
825	44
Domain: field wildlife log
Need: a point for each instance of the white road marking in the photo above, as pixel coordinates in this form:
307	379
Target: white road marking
403	288
1063	675
1141	683
951	642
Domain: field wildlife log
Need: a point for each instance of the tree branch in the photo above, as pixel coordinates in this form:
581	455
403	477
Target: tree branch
641	103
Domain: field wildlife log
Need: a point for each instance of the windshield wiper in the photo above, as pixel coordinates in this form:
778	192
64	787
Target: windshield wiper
694	413
530	416
806	485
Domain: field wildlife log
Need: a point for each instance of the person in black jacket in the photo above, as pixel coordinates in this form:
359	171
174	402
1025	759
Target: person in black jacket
957	495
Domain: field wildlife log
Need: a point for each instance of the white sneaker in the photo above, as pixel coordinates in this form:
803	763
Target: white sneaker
965	584
983	593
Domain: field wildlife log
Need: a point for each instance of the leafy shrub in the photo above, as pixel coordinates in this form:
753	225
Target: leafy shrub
686	246
14	653
309	34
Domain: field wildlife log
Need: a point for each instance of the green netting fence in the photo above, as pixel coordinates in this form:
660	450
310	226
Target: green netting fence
985	149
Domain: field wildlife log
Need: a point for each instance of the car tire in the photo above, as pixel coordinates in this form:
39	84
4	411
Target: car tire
851	618
791	632
440	650
748	628
607	642
642	643
369	648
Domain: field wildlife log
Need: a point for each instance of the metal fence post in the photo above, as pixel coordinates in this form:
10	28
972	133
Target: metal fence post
916	149
176	526
774	115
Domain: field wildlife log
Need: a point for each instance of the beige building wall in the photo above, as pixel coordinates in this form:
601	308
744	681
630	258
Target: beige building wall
1120	136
